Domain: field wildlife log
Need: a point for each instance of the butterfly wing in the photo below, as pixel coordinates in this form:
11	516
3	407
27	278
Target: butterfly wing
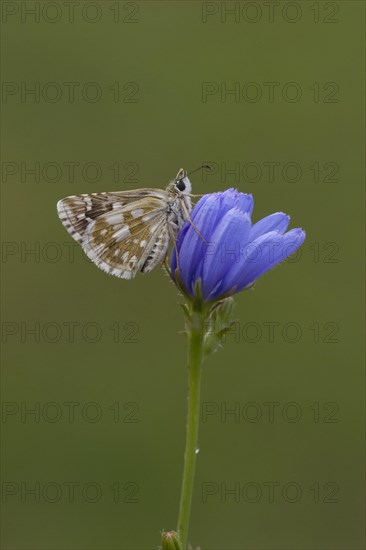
122	233
158	251
78	211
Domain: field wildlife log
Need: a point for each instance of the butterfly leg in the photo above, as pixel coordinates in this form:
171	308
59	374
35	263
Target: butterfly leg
172	235
165	262
188	217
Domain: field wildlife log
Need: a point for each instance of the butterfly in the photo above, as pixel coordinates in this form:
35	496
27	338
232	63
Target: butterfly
125	232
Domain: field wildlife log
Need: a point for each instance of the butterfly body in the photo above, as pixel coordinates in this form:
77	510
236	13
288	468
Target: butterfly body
128	231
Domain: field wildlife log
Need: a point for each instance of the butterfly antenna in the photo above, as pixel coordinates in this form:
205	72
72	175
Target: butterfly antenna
206	166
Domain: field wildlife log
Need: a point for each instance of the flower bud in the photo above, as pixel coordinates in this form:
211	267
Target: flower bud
170	541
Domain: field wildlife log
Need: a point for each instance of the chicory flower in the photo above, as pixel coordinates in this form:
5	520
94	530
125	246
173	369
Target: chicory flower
222	251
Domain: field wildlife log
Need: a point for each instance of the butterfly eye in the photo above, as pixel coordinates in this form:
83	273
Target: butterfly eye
181	185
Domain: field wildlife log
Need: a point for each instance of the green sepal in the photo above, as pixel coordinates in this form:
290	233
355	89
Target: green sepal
186	311
214	342
219	322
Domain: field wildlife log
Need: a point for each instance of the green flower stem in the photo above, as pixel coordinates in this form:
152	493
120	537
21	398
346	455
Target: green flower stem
195	357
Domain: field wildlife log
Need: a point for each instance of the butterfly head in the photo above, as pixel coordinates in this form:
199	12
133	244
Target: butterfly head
182	183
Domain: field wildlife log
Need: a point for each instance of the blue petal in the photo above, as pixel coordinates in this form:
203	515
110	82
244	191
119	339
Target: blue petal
275	222
177	245
197	207
232	198
234	277
185	228
192	240
224	250
246	203
269	250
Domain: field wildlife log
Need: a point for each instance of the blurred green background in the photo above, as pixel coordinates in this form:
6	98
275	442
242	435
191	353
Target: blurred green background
108	475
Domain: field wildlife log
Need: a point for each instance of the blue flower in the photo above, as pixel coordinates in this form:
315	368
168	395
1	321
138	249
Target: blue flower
224	251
